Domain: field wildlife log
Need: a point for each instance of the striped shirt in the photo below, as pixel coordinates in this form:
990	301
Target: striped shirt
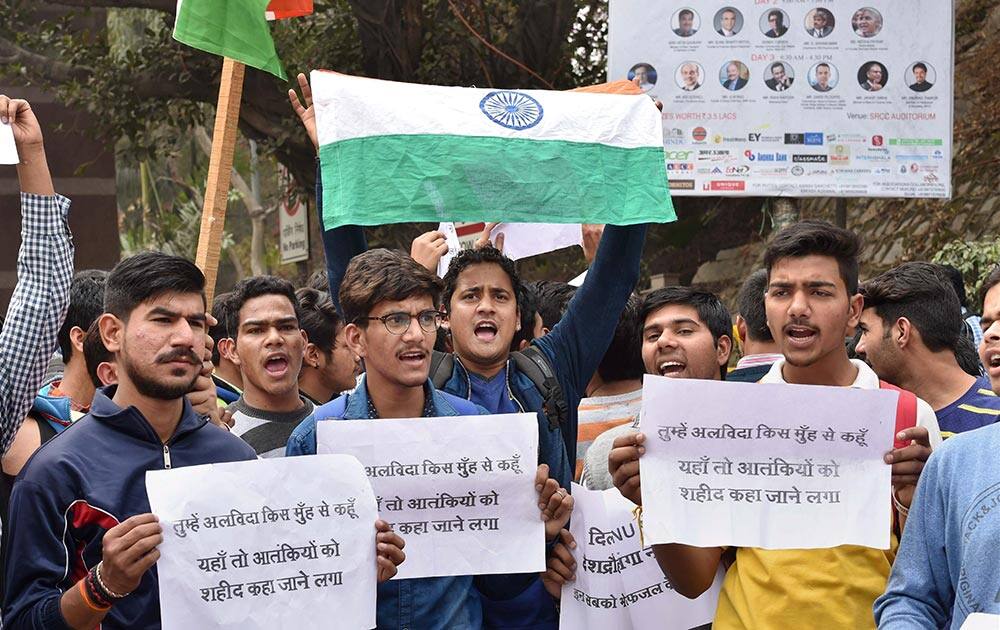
267	431
599	414
977	407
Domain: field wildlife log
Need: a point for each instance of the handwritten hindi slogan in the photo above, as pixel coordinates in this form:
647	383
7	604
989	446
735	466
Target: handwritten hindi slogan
766	465
618	582
460	491
266	544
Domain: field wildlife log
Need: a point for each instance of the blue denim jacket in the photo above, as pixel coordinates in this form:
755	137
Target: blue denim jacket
431	603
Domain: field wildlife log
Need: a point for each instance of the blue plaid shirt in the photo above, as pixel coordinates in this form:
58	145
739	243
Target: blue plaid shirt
37	307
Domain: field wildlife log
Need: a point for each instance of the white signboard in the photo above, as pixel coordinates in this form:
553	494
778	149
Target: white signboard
618	582
791	98
460	491
266	544
522	240
766	465
293	230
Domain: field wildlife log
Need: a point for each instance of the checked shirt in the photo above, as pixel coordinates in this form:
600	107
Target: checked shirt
37	308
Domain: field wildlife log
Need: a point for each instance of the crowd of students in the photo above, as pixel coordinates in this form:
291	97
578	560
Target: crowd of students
148	379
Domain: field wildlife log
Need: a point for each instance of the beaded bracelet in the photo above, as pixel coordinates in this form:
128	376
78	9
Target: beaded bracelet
87	600
105	591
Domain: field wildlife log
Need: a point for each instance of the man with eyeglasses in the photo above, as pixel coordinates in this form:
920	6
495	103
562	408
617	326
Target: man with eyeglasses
388	303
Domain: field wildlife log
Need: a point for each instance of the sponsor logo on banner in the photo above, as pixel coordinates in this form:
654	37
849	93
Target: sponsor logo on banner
930	178
911	157
916	142
724	185
677	156
795	138
877	141
798	170
699	134
674	136
757	156
680	166
914	168
882	170
759	137
808	157
733	171
681	184
813	138
771	172
840	155
937	155
847	138
715	155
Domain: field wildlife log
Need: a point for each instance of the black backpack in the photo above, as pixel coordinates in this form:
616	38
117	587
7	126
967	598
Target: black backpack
533	364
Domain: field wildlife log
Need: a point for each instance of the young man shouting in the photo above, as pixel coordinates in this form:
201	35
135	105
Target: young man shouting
812	305
268	350
389	306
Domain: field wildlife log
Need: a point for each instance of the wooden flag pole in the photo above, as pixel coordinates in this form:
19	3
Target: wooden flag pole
220	168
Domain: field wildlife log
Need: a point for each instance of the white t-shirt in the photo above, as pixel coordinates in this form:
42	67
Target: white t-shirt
868	379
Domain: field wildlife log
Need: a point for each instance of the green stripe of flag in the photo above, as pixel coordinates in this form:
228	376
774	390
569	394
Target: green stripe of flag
237	29
405	178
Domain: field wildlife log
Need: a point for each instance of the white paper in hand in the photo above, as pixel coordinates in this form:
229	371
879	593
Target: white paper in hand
522	240
451	237
270	543
8	149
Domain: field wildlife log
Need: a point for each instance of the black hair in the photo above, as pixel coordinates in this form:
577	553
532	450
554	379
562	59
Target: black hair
95	352
777	64
86	303
623	359
817	238
920	65
919	292
967	355
381	275
318	317
469	257
227	316
319	281
709	307
778	14
751	306
250	288
954	276
684	12
992	280
146	276
527	303
553	298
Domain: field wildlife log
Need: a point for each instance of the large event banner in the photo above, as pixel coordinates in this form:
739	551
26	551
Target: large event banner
262	544
460	491
795	98
618	582
766	465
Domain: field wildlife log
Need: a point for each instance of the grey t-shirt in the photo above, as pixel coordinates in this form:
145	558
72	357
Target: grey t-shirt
595	474
267	431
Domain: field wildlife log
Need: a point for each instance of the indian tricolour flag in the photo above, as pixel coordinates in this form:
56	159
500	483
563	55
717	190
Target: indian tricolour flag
399	152
237	29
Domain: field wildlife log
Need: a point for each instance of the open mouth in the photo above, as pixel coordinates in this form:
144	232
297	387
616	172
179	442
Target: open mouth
412	357
486	331
276	366
993	359
800	335
671	368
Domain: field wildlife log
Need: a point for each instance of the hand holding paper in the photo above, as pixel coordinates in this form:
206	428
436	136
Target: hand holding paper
8	148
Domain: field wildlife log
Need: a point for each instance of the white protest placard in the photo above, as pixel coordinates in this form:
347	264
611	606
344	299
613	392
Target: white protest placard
522	240
8	148
618	582
981	621
765	465
460	491
454	246
801	99
265	544
293	230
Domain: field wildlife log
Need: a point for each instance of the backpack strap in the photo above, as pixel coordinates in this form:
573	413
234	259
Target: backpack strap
533	364
906	411
442	367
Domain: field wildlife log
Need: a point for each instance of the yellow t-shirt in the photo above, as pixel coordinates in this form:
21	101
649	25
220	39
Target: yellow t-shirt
804	588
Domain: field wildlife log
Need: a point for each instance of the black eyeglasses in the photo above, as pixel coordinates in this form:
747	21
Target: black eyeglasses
399	323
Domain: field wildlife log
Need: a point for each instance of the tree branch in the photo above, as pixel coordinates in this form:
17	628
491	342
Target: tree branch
167	6
57	71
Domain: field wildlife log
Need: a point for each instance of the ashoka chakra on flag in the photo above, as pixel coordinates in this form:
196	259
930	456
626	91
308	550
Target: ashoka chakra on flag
513	110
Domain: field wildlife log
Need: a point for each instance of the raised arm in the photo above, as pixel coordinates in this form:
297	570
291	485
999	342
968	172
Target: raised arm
44	272
340	244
